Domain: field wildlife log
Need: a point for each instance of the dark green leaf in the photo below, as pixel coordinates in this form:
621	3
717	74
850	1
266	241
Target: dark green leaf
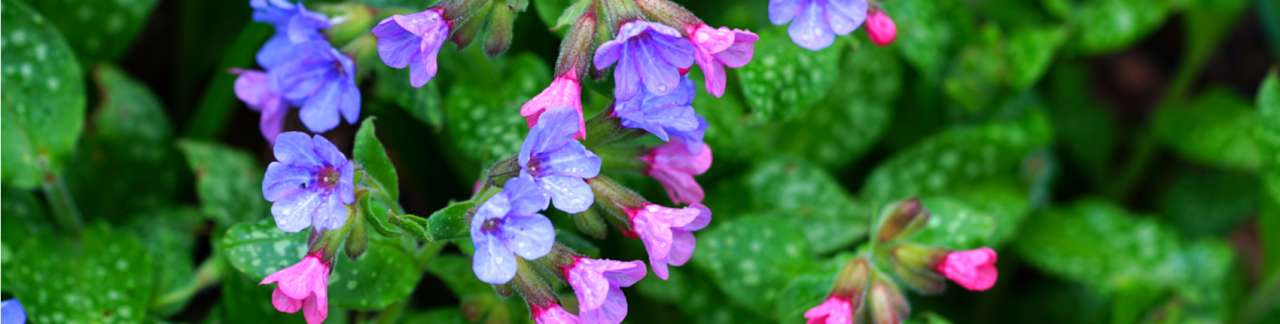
43	100
854	114
784	79
383	275
929	31
244	301
1269	136
1217	128
982	216
170	237
103	29
1209	203
424	103
483	122
1030	53
959	156
111	280
800	294
778	252
796	189
228	182
1104	26
696	297
479	301
439	315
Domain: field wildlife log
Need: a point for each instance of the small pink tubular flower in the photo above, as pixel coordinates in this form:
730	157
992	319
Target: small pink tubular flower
565	92
673	164
881	28
302	286
715	48
973	269
552	314
835	310
598	286
667	233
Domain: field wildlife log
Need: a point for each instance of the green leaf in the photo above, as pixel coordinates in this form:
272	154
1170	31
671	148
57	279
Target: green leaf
1204	203
801	190
228	182
383	275
1030	52
956	157
930	30
424	104
450	223
128	162
854	114
111	280
378	216
1102	246
483	122
1269	136
975	77
1104	26
982	216
1217	128
43	102
370	154
800	294
778	251
696	297
103	29
170	237
23	217
1082	126
244	301
783	79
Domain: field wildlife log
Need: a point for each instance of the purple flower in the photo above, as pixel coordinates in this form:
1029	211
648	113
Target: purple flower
254	89
558	163
717	48
649	55
413	41
674	166
814	23
294	25
598	286
667	233
11	312
552	314
506	225
310	184
665	116
322	81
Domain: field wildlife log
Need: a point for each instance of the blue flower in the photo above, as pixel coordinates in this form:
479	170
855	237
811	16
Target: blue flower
294	25
413	41
665	116
11	312
322	81
311	183
508	224
559	164
814	23
649	55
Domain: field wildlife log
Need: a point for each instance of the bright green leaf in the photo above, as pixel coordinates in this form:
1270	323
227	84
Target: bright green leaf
450	223
370	154
484	123
43	100
796	189
1217	128
103	29
778	252
112	279
929	31
854	114
1030	52
800	294
1104	26
783	79
982	216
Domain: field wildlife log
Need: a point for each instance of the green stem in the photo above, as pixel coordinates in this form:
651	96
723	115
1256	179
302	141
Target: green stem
61	203
208	274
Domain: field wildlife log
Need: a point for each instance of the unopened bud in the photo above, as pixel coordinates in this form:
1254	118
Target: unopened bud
852	280
670	14
499	36
904	220
880	27
592	224
350	21
575	49
615	198
470	26
358	239
618	12
888	306
914	265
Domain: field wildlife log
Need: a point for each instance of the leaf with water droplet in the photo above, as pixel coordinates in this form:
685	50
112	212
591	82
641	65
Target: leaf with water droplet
753	257
228	182
111	281
103	29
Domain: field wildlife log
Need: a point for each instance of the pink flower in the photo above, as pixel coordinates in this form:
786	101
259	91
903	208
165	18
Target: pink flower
673	164
598	286
973	269
881	28
304	285
714	48
552	314
835	310
564	93
667	233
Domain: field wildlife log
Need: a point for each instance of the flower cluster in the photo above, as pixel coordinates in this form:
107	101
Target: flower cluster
815	23
862	281
300	68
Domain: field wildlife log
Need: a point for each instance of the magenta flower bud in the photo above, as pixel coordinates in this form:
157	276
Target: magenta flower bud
598	285
254	88
667	233
302	286
881	28
888	306
565	92
973	269
673	164
413	41
715	48
552	314
835	310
